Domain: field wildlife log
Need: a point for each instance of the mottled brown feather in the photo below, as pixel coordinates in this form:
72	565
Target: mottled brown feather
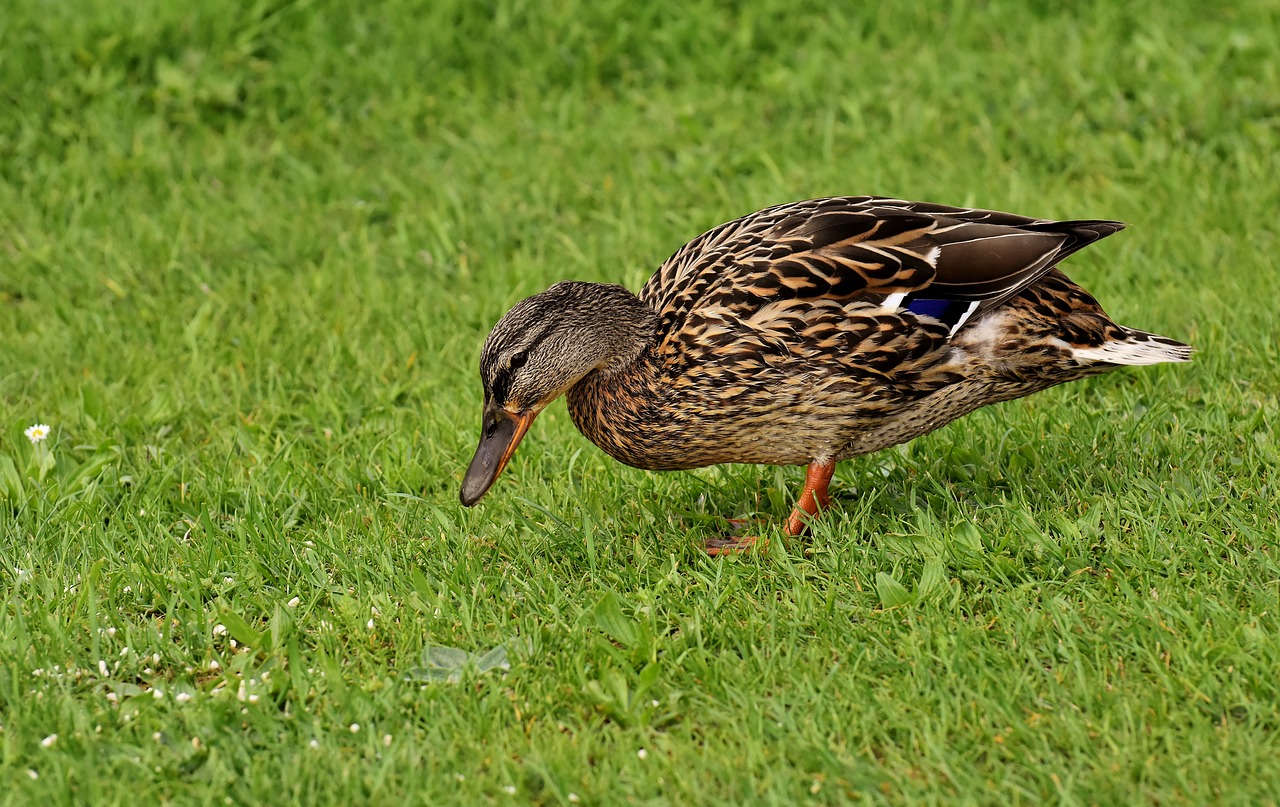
774	346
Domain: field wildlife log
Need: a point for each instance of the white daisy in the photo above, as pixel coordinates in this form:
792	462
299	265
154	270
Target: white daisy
37	433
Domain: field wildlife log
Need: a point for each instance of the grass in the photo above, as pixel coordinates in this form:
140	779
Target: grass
247	258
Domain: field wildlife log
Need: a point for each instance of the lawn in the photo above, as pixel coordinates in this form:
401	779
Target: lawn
247	259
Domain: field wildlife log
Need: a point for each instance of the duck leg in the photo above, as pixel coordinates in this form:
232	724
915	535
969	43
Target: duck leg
813	499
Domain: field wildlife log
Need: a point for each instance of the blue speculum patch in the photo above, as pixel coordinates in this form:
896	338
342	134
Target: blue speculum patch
949	311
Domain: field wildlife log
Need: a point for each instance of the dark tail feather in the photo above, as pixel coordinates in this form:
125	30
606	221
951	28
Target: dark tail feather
1080	233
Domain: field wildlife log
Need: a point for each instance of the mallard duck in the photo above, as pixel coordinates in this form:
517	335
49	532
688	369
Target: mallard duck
805	334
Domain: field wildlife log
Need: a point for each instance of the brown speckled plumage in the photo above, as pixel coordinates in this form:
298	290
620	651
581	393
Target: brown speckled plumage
811	332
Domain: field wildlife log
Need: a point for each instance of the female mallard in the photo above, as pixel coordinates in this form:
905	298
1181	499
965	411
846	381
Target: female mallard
805	334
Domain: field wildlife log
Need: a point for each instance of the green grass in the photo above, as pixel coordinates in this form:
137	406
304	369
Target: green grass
247	259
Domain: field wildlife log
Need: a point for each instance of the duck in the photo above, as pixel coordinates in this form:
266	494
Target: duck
805	334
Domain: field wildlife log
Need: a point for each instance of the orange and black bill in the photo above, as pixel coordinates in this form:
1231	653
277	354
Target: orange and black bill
498	440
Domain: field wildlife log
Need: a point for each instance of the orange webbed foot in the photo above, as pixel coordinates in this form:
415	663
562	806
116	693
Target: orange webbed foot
734	545
812	501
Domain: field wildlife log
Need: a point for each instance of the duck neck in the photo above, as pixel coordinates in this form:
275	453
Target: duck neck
622	328
616	405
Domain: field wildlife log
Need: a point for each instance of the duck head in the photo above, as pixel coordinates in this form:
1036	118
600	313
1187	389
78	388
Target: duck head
542	347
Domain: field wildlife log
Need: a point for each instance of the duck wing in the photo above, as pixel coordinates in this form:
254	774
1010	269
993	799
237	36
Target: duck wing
940	262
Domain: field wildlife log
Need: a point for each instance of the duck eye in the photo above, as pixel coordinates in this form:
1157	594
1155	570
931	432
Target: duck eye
519	360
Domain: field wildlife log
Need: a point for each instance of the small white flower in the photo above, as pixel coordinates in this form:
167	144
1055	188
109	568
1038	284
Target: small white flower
369	624
32	773
37	433
112	697
213	664
510	790
182	697
158	694
157	736
111	631
355	728
219	630
386	741
643	754
294	602
103	669
573	797
52	738
314	743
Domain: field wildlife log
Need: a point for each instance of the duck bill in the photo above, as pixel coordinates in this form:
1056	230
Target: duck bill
502	433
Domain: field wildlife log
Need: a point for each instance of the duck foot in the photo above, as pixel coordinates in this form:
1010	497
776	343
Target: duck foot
734	544
812	501
737	542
